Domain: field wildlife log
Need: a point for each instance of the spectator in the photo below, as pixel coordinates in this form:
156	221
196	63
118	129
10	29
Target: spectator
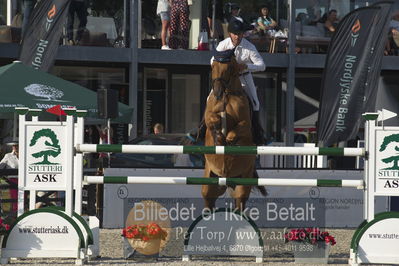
235	16
394	24
235	13
91	135
158	128
393	36
179	24
218	32
78	7
163	10
265	22
330	21
303	18
103	133
10	161
314	12
27	7
104	158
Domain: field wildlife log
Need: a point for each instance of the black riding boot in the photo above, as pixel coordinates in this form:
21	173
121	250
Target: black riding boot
257	130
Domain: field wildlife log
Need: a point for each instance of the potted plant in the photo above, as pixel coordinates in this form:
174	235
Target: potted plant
310	245
146	239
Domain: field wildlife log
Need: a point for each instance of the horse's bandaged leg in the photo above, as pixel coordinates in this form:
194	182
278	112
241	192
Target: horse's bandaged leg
224	123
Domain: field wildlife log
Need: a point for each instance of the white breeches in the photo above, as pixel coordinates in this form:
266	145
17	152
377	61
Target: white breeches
248	85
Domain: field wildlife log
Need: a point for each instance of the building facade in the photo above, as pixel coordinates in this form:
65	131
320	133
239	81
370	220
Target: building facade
121	50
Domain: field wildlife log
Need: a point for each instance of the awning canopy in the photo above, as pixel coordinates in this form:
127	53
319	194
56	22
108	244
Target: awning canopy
23	86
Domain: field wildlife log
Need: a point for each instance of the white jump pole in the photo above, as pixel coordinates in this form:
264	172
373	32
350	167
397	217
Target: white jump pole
261	150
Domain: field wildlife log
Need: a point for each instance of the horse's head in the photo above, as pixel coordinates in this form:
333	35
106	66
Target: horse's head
224	75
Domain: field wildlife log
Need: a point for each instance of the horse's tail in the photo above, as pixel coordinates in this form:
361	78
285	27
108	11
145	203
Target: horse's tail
261	189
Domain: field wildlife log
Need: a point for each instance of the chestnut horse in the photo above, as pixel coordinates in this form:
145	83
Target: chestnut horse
228	122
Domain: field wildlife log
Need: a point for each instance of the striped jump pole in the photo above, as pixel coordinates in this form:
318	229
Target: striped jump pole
359	184
261	150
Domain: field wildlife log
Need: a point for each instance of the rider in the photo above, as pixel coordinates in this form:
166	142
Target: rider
249	61
247	57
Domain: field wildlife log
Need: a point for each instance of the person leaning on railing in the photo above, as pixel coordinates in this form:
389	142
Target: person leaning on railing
265	22
330	22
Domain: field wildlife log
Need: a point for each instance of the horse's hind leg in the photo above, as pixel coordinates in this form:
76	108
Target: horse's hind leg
241	195
210	195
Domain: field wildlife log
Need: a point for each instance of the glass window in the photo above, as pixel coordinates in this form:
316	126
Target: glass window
3	12
264	18
178	27
153	97
175	103
97	23
306	105
267	94
200	19
307	95
185	102
91	77
313	33
89	23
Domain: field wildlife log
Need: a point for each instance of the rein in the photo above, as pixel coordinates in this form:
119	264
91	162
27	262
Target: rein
226	87
223	81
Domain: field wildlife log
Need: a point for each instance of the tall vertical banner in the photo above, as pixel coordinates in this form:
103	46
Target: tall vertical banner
351	73
41	39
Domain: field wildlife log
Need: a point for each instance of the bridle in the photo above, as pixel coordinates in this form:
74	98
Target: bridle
225	84
222	80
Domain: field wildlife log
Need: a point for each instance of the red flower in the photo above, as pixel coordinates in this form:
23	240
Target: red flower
144	232
5	224
330	240
309	235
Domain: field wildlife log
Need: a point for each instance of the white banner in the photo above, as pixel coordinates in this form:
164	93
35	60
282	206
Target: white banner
45	157
387	162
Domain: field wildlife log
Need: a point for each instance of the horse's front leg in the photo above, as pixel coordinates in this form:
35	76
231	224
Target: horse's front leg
214	123
218	137
209	194
240	130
